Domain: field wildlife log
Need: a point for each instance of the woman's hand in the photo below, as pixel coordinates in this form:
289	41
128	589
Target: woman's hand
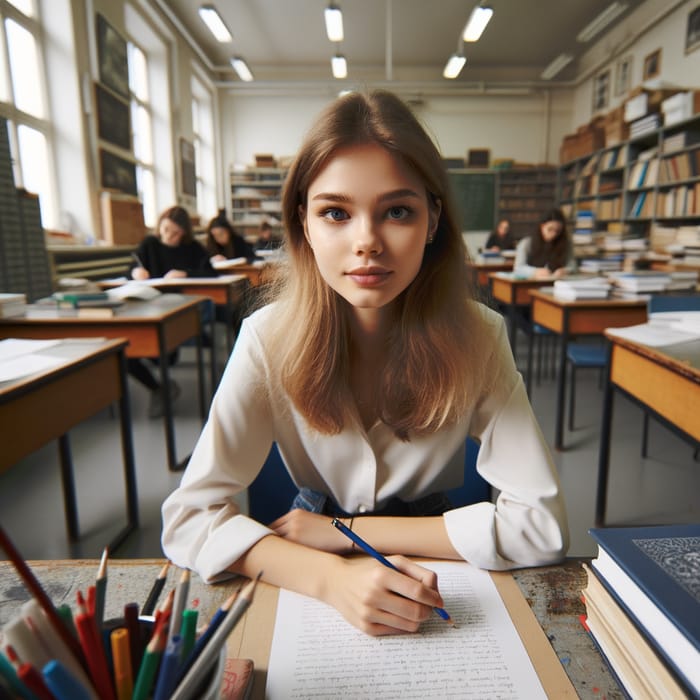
217	258
542	273
170	274
312	530
140	273
378	600
560	272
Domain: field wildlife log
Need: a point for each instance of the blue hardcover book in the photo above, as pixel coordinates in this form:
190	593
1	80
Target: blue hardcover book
654	573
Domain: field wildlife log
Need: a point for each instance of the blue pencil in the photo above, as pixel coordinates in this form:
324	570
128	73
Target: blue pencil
368	549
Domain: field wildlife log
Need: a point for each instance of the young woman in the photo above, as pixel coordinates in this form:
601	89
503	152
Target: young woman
223	243
501	238
369	370
173	252
548	251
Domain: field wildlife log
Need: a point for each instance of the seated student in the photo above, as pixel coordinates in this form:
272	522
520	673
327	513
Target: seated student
171	253
266	241
501	238
548	251
369	370
223	243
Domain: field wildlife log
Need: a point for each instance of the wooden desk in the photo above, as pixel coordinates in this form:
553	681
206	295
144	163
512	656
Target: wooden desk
482	270
665	381
554	594
256	273
581	317
153	328
39	408
513	292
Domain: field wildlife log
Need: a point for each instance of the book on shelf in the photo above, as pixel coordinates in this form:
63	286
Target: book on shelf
654	575
634	662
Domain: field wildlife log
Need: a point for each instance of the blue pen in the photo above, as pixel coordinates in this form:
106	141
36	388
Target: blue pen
380	558
63	684
169	669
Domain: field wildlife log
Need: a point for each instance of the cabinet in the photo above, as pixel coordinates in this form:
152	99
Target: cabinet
256	196
639	187
524	195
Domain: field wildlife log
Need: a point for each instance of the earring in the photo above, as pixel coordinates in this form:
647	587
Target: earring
430	239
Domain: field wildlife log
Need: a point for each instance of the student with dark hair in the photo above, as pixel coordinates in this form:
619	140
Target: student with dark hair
501	238
548	251
369	369
224	243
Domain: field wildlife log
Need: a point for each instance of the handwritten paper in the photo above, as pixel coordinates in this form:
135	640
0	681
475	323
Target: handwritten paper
317	654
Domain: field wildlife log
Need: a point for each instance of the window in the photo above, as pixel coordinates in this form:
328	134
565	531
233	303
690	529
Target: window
23	102
142	125
205	165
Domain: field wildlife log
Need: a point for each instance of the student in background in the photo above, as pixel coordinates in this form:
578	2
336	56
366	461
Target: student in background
265	239
548	251
501	238
172	252
369	369
223	243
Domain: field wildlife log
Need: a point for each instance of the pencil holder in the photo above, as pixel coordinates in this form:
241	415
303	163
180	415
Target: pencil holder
211	685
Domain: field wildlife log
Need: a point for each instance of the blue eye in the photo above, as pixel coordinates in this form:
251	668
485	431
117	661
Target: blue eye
334	214
398	213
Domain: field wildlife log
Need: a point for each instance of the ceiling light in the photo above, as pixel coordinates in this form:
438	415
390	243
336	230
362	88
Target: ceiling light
241	67
477	22
454	66
556	65
601	21
216	25
334	23
339	66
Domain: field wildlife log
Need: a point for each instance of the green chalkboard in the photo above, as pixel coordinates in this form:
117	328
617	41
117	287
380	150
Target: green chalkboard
475	196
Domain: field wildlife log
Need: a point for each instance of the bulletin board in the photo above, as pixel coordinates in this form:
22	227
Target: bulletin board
475	196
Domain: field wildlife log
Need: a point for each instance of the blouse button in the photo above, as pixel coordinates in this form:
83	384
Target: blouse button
362	508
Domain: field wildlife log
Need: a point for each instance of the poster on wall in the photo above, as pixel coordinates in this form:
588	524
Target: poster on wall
117	173
113	118
112	58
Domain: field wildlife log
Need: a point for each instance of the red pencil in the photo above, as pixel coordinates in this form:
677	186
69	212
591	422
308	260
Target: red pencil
94	650
39	593
29	675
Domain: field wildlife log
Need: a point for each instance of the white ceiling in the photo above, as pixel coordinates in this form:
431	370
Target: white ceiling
390	40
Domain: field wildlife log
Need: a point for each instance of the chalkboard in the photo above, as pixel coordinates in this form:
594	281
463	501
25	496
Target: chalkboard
475	196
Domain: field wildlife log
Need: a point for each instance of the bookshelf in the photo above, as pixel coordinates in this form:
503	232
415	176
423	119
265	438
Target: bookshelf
649	182
524	194
256	196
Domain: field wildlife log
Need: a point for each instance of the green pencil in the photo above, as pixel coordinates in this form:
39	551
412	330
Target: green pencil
149	664
188	631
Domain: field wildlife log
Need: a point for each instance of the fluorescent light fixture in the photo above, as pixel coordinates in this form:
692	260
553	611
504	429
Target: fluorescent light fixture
477	22
454	66
601	21
339	66
334	23
556	65
241	67
216	25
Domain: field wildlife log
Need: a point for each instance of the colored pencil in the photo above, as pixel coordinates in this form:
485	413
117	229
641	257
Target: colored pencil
28	674
131	620
153	595
121	657
207	658
40	594
179	602
63	684
169	668
101	590
92	645
368	549
8	672
188	631
149	665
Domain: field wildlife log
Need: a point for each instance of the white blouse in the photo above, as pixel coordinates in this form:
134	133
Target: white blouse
526	526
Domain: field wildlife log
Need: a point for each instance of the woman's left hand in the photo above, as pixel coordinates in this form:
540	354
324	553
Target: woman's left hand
312	530
174	273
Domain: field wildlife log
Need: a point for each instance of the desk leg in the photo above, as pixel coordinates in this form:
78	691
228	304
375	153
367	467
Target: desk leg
200	378
212	355
230	316
561	385
132	503
604	452
68	481
167	403
530	344
513	318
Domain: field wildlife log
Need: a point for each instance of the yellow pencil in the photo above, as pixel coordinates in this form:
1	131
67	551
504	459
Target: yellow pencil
121	655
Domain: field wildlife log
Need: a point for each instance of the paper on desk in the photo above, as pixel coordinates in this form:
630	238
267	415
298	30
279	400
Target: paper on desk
134	290
655	335
14	347
316	653
223	264
22	366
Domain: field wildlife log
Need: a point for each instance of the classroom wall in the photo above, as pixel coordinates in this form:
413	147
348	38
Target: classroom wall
655	24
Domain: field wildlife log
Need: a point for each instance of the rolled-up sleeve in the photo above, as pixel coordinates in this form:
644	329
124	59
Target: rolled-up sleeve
527	525
203	528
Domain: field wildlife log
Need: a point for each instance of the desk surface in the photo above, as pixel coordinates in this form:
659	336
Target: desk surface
553	593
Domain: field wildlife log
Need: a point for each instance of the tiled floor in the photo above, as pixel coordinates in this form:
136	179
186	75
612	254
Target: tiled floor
663	488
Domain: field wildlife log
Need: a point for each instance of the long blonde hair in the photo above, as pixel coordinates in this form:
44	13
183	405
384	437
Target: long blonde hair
431	377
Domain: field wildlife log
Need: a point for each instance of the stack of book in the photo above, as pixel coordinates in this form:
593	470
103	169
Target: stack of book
12	304
582	288
640	284
643	608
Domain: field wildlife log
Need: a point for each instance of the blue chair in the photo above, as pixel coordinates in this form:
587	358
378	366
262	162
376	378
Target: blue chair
667	302
582	356
272	492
